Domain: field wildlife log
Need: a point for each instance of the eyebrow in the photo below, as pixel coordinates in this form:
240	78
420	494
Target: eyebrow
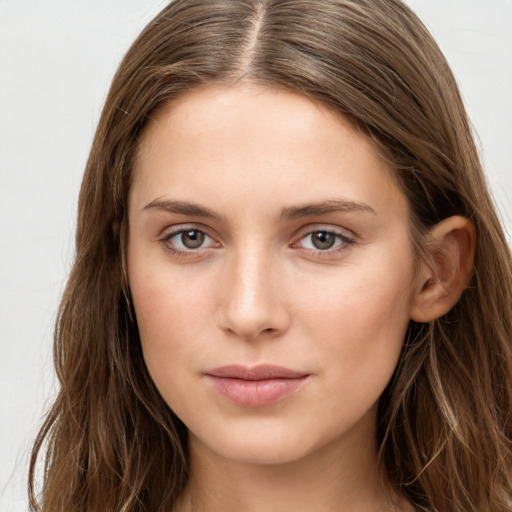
288	213
183	208
325	207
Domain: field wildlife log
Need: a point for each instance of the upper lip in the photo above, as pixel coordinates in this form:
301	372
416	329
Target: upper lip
259	372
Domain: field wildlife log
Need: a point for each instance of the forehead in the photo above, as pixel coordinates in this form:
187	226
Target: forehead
284	114
258	142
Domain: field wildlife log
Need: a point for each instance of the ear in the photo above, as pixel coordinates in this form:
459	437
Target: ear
444	277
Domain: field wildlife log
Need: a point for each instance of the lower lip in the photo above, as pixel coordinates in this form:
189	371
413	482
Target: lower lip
256	393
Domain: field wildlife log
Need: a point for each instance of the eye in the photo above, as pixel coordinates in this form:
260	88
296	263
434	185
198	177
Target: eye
324	240
187	240
321	240
191	239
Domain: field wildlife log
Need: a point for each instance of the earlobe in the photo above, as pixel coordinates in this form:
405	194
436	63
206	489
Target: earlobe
446	275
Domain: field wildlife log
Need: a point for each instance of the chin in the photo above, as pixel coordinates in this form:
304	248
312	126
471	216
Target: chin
261	453
263	443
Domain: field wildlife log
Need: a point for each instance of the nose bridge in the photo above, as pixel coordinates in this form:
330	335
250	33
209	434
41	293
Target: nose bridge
253	296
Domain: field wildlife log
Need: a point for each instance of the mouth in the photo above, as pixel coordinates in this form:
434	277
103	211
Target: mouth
256	386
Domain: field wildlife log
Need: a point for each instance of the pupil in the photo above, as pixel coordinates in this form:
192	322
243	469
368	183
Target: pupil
323	240
192	239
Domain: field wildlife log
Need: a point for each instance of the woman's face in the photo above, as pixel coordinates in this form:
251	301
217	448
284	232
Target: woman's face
271	270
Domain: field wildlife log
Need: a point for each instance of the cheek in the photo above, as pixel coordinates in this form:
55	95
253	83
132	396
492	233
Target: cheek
373	297
359	325
172	312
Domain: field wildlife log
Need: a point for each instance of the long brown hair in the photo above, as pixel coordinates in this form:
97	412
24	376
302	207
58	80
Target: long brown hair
444	422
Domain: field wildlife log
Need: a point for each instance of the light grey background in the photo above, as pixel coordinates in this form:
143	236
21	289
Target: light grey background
56	61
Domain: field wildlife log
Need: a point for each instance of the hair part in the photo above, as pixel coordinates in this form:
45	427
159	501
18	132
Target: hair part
444	422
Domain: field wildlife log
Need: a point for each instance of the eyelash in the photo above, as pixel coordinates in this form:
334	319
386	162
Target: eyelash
185	252
342	241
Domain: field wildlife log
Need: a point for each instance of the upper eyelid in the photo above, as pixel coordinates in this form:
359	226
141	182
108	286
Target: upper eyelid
186	226
330	228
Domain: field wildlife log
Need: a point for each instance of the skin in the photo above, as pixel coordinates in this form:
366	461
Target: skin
257	290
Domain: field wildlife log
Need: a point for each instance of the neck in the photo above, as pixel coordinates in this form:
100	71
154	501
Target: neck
341	476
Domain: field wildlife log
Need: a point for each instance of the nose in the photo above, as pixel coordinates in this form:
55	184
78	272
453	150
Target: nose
254	302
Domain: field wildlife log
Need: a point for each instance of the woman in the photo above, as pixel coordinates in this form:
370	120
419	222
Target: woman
291	290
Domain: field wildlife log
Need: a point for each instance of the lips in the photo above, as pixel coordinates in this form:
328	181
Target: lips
257	386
